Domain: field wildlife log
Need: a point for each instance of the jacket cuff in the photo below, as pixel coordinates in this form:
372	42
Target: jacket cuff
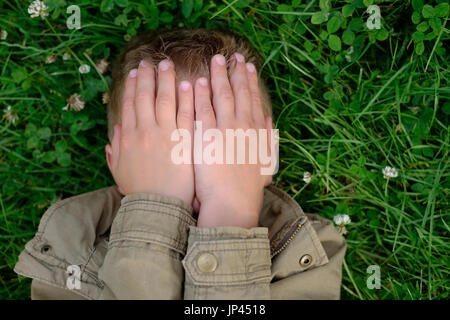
154	219
227	256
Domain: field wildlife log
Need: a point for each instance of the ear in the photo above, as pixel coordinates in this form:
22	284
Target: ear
108	152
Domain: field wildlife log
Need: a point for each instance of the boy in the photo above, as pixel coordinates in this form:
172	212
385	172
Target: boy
189	230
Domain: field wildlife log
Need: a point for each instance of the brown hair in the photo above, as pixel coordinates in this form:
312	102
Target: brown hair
190	50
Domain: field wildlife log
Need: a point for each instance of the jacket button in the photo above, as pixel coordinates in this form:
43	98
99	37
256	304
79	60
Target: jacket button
305	260
45	248
207	262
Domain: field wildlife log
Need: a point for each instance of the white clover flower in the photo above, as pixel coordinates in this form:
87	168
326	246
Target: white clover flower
102	65
37	8
307	177
414	110
75	102
66	56
349	52
3	34
341	220
389	172
10	115
84	68
105	97
50	59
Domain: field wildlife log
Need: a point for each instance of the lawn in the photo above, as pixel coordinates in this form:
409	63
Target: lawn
350	98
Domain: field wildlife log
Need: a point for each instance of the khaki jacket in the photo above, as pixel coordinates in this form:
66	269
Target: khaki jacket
143	246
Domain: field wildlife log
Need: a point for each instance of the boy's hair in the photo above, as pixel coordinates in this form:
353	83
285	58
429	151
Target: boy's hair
191	52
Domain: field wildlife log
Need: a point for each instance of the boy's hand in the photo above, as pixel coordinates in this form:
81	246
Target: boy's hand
230	194
141	147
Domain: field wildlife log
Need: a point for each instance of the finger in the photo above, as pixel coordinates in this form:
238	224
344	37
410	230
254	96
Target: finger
185	112
203	109
145	95
274	154
257	110
269	128
128	112
241	91
223	100
165	98
196	205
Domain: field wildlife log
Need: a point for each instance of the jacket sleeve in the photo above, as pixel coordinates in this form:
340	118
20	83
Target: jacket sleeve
235	263
147	241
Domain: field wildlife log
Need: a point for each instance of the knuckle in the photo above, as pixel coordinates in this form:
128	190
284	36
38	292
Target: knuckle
125	140
205	109
184	115
145	137
245	121
164	100
257	101
243	90
255	95
142	97
226	95
127	104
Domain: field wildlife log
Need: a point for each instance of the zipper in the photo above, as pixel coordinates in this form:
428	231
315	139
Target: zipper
289	236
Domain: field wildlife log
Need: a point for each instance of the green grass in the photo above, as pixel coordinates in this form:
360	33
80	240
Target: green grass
343	119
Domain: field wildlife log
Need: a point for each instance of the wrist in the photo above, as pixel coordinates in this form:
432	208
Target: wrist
220	215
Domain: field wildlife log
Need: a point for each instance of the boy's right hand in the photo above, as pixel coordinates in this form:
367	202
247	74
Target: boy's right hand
230	194
141	147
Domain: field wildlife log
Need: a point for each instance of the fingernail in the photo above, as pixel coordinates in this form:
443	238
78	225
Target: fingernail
184	85
144	63
164	65
133	73
250	67
220	59
239	57
232	62
203	81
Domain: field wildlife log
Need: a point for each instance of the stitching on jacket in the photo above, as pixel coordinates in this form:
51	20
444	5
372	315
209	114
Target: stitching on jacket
64	270
33	276
154	211
92	274
112	243
246	273
230	241
180	242
195	286
174	255
259	280
164	205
